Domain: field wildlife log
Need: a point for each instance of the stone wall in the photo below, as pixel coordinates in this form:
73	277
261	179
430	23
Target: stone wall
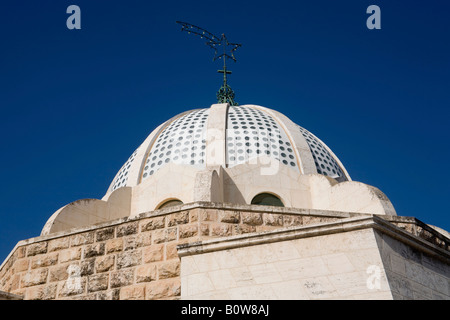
326	262
413	274
134	258
353	258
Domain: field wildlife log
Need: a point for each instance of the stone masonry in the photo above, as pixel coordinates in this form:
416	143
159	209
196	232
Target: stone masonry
139	258
134	258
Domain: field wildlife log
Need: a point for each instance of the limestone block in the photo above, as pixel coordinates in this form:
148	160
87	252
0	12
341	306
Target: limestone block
265	273
135	292
222	279
59	273
73	286
114	245
105	234
121	278
169	269
252	218
98	282
35	277
146	273
36	248
319	288
129	259
289	290
81	239
143	239
103	264
270	219
221	230
243	228
87	267
58	244
178	218
44	260
152	224
164	235
113	294
171	250
163	289
127	229
229	216
187	231
292	220
21	265
197	283
153	253
94	250
45	292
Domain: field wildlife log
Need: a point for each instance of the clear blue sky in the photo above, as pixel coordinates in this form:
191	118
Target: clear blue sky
76	103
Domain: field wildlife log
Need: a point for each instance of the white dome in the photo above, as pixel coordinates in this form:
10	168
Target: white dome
240	155
250	131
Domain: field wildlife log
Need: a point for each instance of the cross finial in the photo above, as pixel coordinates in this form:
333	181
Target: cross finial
225	93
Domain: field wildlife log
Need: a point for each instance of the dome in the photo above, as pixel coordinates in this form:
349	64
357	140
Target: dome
250	132
244	155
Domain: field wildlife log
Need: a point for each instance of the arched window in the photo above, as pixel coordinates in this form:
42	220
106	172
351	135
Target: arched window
267	199
170	203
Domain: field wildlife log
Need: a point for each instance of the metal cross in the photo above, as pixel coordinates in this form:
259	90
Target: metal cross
225	93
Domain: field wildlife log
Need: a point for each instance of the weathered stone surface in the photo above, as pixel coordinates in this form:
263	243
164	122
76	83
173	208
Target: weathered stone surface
129	259
204	229
165	235
193	215
103	264
82	238
105	234
143	239
208	215
35	277
127	229
291	220
186	231
87	267
58	244
114	245
153	253
135	292
94	250
72	286
163	289
146	273
229	216
21	265
44	260
152	224
121	278
272	219
70	255
171	250
113	294
252	218
313	220
58	273
129	243
15	283
36	248
169	269
221	230
98	282
244	228
45	292
178	218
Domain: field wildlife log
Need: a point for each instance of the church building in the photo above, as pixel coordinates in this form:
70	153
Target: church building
231	202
